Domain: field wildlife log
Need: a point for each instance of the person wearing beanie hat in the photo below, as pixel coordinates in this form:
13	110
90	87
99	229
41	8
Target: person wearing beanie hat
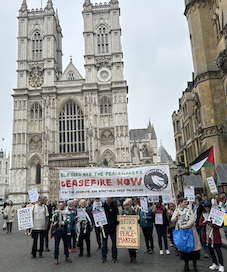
72	225
212	238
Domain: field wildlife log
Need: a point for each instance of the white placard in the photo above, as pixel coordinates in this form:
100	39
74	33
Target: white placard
216	216
212	185
25	218
81	214
33	195
189	193
167	199
100	218
158	219
143	204
153	199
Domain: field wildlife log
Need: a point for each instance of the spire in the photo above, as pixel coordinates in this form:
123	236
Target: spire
151	131
24	6
149	128
57	17
114	2
49	4
87	3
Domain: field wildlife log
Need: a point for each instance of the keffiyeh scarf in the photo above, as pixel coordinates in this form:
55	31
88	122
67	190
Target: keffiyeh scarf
185	215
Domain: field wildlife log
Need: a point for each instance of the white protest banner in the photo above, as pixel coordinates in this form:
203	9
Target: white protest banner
167	199
100	218
33	195
25	219
60	197
216	216
153	199
212	185
143	204
189	193
115	182
158	219
81	214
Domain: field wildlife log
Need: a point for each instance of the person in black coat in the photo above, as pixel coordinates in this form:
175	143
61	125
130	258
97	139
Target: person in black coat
112	212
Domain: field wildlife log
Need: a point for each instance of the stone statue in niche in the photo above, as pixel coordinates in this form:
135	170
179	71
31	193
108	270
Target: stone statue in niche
108	157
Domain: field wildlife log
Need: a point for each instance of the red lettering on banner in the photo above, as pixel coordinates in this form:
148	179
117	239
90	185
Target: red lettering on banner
127	182
74	182
134	182
81	183
87	182
68	183
102	182
109	182
119	182
93	182
62	184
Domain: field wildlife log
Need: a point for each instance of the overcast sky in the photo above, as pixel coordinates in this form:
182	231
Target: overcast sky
157	58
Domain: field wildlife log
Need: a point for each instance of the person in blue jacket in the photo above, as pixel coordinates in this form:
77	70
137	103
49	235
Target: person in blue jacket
146	223
72	225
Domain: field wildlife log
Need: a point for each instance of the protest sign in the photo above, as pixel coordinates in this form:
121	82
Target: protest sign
143	204
25	218
81	214
212	185
153	199
189	193
216	216
100	182
60	197
100	218
167	199
33	195
128	232
158	219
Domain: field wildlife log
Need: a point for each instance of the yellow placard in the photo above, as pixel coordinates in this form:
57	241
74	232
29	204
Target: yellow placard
128	232
225	220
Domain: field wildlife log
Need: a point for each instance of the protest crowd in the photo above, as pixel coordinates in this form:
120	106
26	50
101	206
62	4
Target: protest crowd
74	220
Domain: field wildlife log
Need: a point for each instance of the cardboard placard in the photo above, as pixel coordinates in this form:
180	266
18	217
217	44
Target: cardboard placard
33	195
212	185
81	214
143	204
25	218
158	219
167	199
128	232
189	193
100	218
153	199
216	216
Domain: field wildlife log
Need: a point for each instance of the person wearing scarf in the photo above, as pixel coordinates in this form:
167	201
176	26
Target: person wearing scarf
97	205
84	228
127	210
72	225
212	238
187	221
161	228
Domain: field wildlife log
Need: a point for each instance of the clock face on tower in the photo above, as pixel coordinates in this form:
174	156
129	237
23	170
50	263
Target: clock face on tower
36	80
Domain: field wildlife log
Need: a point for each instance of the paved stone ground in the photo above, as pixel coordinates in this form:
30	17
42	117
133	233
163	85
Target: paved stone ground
15	256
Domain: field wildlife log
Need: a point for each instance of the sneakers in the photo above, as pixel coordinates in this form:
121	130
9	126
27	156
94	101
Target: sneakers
74	250
214	267
161	252
206	256
103	261
171	245
167	252
47	249
56	262
70	250
146	251
221	268
114	260
68	260
151	251
81	255
40	255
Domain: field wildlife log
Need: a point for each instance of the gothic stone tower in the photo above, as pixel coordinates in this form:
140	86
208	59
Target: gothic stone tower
61	119
105	89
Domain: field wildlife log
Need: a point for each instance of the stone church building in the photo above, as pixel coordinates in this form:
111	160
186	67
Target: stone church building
62	120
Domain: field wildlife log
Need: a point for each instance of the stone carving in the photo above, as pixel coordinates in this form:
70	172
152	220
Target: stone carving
36	69
35	144
107	138
103	62
108	157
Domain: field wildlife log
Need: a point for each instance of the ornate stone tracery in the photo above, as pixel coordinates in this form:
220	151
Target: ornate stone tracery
103	62
107	137
35	144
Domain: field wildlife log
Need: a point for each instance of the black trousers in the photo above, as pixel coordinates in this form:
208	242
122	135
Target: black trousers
217	248
72	237
98	235
148	235
86	237
35	235
9	227
47	238
132	253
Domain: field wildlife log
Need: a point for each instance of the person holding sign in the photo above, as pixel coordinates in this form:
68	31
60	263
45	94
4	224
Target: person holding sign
111	211
84	227
130	211
146	223
187	221
161	224
212	238
60	231
97	205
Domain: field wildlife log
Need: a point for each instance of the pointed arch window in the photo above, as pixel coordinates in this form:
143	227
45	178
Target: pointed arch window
36	112
37	46
71	129
105	106
38	174
102	40
145	151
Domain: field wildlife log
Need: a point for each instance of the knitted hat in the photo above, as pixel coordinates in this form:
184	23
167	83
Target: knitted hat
207	205
69	202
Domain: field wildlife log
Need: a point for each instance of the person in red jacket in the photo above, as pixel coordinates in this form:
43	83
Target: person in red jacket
212	237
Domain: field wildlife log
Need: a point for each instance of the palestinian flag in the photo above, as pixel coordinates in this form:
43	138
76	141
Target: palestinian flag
206	159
